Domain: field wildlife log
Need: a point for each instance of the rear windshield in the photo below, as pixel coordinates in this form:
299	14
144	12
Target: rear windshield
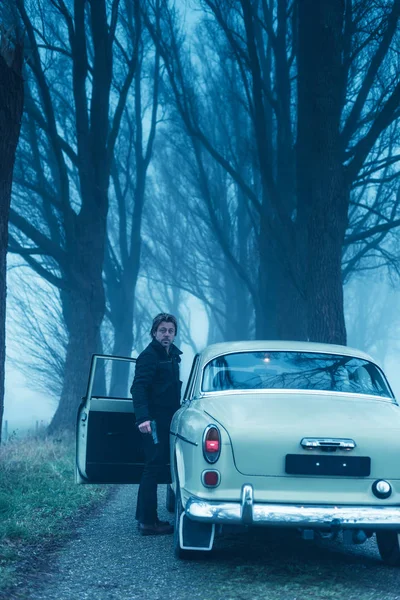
294	371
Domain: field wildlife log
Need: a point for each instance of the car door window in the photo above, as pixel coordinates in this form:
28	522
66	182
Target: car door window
111	377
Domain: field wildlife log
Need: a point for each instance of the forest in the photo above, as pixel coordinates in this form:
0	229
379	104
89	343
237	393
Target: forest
156	155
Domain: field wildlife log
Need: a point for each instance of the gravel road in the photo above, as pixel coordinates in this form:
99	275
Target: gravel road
107	559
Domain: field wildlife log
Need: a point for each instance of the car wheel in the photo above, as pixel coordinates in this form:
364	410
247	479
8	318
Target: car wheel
389	547
170	501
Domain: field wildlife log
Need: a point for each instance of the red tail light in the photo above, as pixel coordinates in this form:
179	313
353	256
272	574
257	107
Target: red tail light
210	478
211	444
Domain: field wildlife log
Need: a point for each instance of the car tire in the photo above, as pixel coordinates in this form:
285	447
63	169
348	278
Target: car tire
170	500
389	547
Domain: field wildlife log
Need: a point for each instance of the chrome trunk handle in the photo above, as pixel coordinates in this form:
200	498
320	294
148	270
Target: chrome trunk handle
328	443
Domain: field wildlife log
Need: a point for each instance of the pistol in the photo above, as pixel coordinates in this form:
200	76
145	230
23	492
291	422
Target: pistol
154	435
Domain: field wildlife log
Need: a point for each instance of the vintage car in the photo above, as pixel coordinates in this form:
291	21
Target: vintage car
273	434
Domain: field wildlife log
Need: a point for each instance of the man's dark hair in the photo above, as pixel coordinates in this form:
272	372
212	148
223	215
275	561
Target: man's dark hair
159	319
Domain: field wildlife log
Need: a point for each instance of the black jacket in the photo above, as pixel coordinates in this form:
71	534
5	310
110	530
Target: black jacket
156	388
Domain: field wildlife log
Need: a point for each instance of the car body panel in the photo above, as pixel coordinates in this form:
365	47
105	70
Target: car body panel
261	437
267	456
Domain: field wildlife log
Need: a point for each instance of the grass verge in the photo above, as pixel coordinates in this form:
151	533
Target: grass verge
38	500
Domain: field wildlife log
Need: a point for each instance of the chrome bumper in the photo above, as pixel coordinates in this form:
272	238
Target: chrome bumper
247	512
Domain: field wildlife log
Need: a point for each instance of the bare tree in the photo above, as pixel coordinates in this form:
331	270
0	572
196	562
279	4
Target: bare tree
81	64
37	332
300	227
203	217
129	174
11	108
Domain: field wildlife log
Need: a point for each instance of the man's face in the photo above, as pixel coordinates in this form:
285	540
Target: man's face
165	334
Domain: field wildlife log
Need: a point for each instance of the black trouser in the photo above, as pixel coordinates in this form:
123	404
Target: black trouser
156	459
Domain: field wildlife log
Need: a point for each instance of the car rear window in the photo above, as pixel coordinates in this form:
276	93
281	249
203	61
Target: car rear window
294	371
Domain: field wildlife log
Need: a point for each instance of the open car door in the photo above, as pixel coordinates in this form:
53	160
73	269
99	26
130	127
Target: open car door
108	445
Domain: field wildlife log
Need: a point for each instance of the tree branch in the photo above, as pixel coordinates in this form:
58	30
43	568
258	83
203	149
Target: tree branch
16	248
387	115
374	65
358	237
39	239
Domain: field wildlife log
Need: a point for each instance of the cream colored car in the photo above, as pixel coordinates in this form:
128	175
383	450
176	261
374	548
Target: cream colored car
274	434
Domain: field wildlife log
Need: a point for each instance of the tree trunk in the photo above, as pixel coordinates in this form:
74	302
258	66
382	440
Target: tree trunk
242	311
280	310
237	325
322	194
123	344
84	303
83	310
122	296
11	107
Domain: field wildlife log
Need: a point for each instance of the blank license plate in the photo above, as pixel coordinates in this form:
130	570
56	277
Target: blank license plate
343	466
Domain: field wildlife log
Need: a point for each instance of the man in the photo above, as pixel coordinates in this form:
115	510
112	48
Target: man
156	391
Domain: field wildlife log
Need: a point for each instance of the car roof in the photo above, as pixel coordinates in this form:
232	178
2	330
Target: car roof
215	350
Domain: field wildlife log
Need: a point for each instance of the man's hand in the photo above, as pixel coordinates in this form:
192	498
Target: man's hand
145	427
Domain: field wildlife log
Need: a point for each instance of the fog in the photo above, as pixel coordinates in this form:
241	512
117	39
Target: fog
221	168
25	407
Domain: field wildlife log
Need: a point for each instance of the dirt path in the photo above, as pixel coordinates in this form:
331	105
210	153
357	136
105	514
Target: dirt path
108	560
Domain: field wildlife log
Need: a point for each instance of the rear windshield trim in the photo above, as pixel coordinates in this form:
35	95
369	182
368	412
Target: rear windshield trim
292	392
